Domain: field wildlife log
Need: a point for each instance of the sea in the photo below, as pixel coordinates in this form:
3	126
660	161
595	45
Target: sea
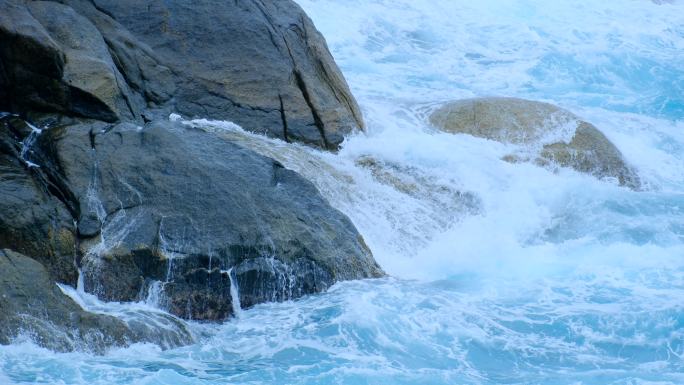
498	272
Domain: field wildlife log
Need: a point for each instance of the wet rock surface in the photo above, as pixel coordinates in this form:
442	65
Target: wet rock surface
267	279
200	203
36	308
554	135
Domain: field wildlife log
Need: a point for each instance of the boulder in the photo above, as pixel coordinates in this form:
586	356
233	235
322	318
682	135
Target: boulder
546	132
67	67
31	305
260	64
170	203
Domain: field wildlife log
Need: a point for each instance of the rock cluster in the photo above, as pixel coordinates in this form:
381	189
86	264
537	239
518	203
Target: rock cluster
102	183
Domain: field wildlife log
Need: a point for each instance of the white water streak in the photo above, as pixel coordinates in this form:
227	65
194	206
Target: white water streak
234	294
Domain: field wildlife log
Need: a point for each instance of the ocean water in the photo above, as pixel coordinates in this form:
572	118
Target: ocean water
500	273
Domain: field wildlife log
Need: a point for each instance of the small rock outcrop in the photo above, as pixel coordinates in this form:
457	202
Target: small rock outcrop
31	305
553	135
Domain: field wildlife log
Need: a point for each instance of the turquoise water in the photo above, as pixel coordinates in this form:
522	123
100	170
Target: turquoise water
500	273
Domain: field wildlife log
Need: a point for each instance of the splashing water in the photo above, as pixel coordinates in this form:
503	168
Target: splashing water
27	144
234	294
500	272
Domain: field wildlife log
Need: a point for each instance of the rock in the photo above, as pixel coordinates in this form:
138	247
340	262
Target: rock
37	308
549	132
31	62
186	294
153	82
411	181
267	279
77	77
32	219
260	64
170	203
153	209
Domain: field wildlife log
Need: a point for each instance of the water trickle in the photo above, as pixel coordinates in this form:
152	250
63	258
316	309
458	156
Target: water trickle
154	294
94	203
27	144
79	294
234	293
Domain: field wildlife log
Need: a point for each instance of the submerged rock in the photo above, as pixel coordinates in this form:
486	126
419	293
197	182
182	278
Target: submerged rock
551	133
179	205
32	306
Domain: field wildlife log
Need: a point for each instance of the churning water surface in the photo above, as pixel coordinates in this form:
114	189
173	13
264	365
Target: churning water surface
501	273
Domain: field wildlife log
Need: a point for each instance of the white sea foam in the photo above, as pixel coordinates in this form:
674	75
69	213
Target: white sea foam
500	272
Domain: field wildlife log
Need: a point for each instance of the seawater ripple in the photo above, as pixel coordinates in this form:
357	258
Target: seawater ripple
596	329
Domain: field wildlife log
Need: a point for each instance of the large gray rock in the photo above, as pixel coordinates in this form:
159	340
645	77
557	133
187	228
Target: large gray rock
261	64
164	211
180	205
550	134
31	305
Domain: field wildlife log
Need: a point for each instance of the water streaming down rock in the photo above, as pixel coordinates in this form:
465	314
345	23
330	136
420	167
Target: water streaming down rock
35	214
155	291
150	231
27	143
110	222
144	319
234	294
71	320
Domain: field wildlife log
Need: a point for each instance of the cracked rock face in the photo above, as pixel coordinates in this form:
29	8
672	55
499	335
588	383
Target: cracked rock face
260	64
